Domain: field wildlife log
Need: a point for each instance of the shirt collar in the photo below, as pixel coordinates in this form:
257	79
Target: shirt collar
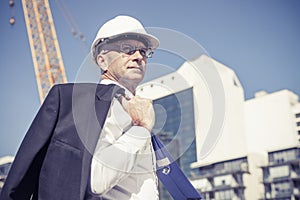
108	81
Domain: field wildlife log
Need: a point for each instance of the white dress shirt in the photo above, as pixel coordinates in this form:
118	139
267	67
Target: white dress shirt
123	165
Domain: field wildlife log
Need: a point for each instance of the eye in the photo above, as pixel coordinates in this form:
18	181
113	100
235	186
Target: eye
126	48
143	52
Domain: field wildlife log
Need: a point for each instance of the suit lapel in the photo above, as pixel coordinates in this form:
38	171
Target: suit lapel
104	96
96	119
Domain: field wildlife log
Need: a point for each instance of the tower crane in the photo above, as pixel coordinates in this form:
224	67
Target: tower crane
44	46
45	51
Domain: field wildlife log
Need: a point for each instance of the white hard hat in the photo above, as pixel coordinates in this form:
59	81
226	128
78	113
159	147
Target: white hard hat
123	25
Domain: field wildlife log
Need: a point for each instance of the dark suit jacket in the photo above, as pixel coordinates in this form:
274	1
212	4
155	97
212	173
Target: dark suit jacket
53	161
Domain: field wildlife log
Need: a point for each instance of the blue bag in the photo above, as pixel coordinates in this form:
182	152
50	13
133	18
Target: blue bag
171	175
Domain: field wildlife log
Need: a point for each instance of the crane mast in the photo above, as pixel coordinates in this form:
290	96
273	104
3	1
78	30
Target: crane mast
45	51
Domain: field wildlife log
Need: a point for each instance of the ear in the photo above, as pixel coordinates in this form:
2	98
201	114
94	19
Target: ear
101	62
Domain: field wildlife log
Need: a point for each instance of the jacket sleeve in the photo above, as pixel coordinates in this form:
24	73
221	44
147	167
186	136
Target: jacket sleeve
22	180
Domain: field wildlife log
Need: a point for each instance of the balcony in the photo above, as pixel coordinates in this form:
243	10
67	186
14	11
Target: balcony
221	173
295	161
223	188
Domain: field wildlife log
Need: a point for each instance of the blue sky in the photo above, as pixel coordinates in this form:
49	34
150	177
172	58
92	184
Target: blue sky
259	40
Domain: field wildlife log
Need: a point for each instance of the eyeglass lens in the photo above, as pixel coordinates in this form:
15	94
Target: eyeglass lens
129	49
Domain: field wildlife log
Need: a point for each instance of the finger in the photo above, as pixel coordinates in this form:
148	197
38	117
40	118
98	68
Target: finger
122	99
143	99
149	101
124	102
121	96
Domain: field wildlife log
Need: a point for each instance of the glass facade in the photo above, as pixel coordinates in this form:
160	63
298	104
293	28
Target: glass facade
281	177
175	126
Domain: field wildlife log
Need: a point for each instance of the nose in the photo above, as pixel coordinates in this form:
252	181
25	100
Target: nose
139	58
137	55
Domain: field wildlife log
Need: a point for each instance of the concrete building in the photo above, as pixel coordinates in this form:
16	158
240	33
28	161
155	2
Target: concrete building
281	176
191	76
218	160
5	163
272	127
233	161
272	116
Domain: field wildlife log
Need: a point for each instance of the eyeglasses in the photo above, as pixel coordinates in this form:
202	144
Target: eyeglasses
129	49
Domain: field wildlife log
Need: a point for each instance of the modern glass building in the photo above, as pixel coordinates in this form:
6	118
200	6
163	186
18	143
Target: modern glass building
175	127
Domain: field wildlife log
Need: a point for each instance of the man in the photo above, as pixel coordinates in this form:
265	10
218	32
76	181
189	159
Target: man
92	141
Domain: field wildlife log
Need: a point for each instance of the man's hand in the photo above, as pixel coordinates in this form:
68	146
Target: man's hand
140	110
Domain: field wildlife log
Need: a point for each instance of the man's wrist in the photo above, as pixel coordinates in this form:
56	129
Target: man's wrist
137	137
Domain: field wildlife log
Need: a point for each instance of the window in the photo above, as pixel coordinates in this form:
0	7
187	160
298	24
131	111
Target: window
224	195
281	171
223	180
281	188
219	167
170	112
283	156
298	123
202	184
206	170
297	115
235	165
235	82
297	184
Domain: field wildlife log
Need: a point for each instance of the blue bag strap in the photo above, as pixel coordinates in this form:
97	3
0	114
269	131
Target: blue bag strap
171	175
